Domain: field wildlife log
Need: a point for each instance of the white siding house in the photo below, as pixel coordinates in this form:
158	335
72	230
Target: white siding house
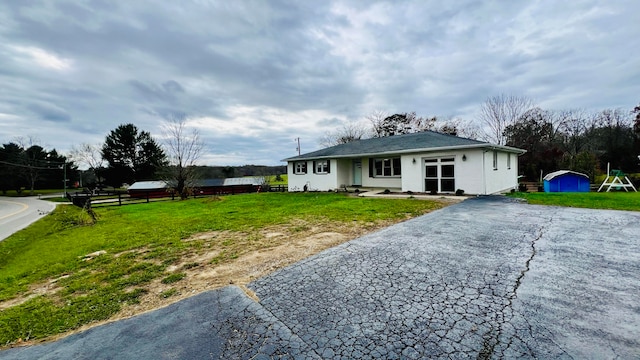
420	162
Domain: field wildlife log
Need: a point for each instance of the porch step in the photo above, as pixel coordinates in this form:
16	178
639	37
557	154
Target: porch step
532	186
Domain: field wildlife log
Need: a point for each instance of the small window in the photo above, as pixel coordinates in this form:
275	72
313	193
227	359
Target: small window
321	166
386	167
495	160
447	171
447	185
300	167
431	185
508	161
378	167
396	167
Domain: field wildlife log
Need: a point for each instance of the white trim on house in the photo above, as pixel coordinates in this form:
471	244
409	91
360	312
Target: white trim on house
411	151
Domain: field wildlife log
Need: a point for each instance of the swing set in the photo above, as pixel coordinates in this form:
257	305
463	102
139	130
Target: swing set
618	180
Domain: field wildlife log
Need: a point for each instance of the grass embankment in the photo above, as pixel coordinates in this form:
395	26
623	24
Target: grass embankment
27	192
592	200
65	271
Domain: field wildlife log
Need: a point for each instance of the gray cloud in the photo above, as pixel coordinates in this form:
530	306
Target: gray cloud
166	92
260	74
49	112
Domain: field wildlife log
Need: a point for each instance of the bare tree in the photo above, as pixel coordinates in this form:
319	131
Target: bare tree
376	118
457	126
498	112
402	123
347	133
184	148
89	155
573	124
33	160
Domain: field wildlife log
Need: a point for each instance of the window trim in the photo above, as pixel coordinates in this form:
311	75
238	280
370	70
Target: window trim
322	167
302	170
380	166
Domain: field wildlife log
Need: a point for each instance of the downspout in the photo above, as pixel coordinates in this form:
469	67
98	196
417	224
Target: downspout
484	172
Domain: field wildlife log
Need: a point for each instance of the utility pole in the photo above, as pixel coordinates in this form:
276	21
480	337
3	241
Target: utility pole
64	166
298	148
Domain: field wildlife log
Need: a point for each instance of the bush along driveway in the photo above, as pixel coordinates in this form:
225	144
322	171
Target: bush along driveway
486	278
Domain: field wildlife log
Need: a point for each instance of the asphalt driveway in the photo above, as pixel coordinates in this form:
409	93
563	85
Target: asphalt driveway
487	278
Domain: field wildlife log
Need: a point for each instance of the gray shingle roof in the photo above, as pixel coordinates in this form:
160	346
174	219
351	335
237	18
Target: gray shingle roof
422	141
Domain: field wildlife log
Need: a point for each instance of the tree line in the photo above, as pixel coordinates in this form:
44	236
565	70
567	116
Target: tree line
572	139
27	165
126	156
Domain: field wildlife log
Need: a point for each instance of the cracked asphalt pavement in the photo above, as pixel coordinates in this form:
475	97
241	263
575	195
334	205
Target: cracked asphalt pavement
488	278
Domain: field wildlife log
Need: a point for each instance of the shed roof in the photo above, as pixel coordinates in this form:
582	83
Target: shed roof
422	141
558	173
152	185
229	181
148	185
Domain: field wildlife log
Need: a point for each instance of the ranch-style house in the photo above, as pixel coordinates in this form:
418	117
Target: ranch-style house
420	162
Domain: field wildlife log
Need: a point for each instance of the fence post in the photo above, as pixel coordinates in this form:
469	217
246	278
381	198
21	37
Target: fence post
119	199
147	196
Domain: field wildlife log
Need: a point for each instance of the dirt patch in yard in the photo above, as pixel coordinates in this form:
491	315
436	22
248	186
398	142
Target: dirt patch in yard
215	259
273	248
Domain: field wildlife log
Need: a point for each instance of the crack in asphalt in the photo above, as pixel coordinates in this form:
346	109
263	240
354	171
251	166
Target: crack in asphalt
449	285
492	338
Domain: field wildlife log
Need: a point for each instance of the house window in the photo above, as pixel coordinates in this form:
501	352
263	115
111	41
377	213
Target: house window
440	175
508	161
300	167
387	167
321	167
495	160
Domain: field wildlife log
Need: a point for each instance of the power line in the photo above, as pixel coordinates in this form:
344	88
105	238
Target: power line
31	166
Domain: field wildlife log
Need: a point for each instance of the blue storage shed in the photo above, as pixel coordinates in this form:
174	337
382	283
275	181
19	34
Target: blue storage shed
566	181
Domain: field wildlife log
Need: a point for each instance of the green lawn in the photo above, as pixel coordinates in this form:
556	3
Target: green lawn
591	200
141	241
27	192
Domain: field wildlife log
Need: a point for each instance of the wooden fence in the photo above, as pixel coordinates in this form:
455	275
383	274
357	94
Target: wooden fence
118	198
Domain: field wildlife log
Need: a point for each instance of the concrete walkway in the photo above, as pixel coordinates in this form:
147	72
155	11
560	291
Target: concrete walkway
486	278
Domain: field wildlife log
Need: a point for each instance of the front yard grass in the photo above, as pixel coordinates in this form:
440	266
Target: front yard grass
592	200
68	271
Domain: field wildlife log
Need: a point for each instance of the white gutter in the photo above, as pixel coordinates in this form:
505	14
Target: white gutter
410	151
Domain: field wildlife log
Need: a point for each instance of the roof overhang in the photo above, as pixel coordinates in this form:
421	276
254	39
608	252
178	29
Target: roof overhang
487	147
559	173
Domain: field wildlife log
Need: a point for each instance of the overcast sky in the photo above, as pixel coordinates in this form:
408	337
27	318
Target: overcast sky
255	75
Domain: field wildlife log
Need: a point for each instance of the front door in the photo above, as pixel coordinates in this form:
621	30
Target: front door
439	175
357	173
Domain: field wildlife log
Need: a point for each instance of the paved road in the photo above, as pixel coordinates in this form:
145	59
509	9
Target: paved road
486	278
18	213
